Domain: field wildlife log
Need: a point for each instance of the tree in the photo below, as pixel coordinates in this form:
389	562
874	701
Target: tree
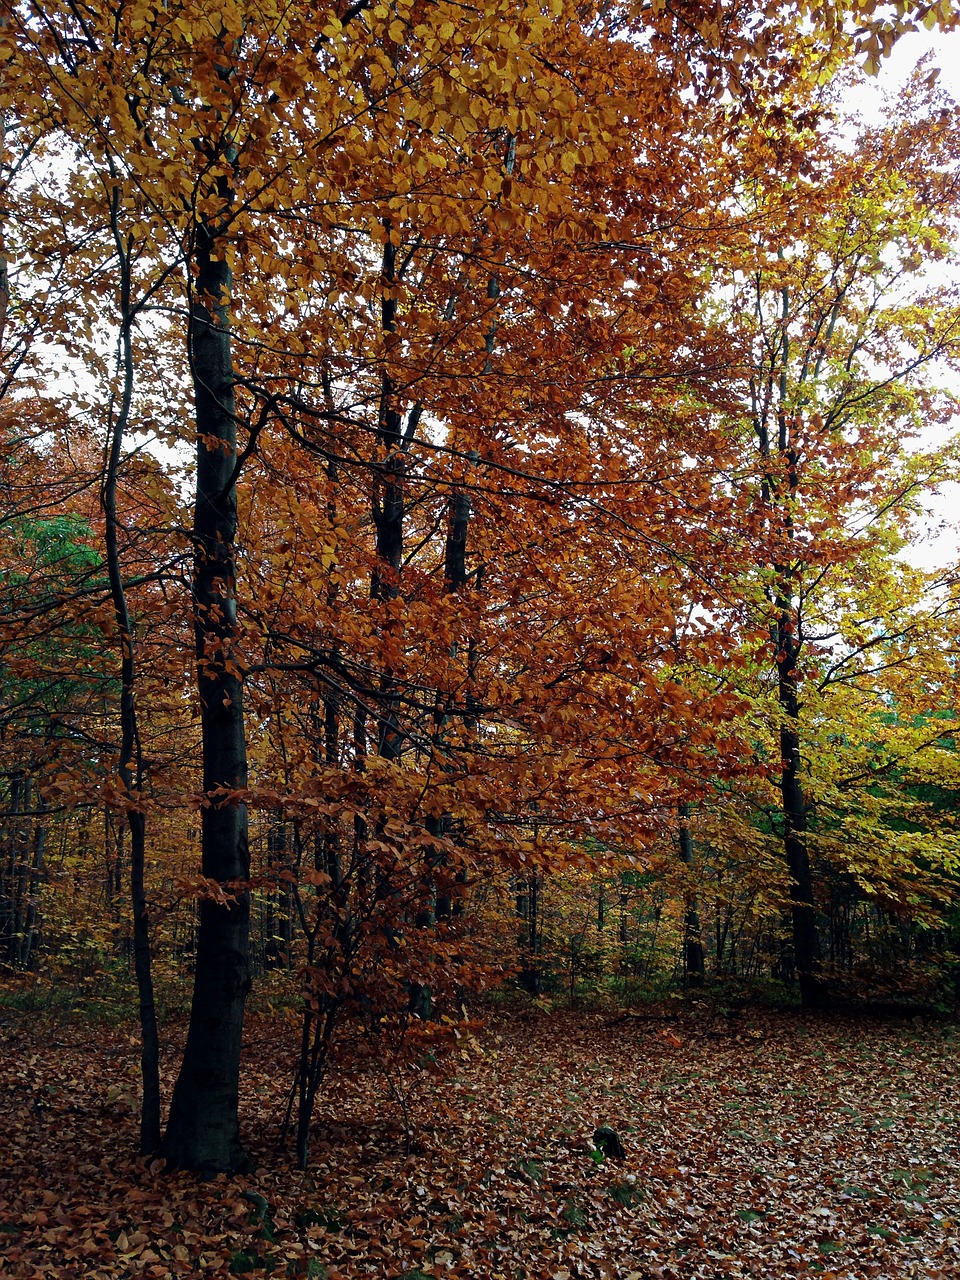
371	262
837	329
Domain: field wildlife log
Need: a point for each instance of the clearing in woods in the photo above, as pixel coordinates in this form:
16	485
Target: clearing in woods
766	1145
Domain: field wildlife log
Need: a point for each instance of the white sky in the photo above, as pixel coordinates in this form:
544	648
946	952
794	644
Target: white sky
940	545
907	52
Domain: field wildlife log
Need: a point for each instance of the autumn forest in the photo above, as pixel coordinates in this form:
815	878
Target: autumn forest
465	608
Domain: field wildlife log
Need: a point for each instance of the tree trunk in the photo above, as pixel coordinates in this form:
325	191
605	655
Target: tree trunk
528	908
203	1132
31	925
130	763
693	958
388	512
21	871
142	958
806	939
780	482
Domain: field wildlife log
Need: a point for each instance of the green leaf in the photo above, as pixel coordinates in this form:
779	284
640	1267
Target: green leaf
751	1215
882	1232
241	1263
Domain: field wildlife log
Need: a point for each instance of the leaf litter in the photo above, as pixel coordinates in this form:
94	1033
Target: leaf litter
785	1146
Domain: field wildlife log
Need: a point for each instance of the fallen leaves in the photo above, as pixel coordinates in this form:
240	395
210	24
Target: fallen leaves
745	1156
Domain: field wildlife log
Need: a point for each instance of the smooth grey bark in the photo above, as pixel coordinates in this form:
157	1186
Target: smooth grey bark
203	1132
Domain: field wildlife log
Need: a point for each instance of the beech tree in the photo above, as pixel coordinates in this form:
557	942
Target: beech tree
840	330
424	294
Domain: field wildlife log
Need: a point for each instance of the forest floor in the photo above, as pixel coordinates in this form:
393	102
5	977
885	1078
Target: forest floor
769	1145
